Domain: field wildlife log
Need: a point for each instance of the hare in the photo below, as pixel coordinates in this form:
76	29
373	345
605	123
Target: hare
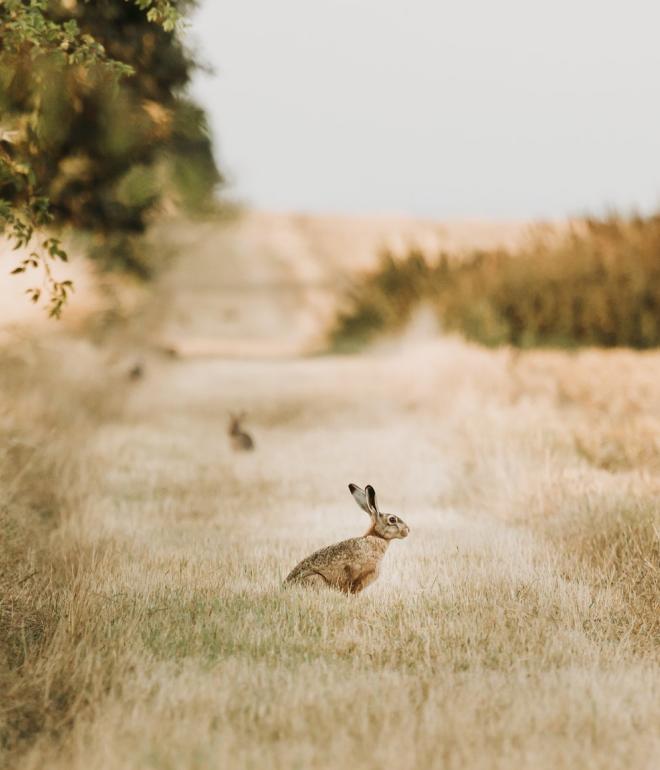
136	372
352	565
240	440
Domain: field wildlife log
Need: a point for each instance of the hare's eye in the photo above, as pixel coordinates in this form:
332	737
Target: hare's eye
392	520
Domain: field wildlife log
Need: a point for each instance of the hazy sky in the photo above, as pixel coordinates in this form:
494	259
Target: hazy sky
468	108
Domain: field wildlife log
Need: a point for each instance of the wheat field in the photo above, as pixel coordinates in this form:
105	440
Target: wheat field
143	620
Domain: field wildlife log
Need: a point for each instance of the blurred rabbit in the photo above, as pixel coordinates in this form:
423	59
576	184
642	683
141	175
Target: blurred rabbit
170	351
352	565
136	372
241	441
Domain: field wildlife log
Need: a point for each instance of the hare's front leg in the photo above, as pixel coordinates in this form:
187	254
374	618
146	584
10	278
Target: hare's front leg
365	579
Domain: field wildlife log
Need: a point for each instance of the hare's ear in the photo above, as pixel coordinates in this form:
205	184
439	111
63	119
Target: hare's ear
360	497
371	499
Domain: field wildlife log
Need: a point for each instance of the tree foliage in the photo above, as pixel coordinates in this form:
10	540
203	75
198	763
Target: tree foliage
95	129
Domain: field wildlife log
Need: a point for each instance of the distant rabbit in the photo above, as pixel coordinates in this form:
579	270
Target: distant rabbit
170	351
136	372
351	565
241	441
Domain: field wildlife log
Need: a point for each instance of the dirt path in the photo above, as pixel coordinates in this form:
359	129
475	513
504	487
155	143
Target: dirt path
239	314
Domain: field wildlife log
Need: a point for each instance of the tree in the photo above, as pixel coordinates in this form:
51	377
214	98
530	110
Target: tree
95	129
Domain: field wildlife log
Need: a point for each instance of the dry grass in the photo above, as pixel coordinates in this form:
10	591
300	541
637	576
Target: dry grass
596	283
517	627
51	398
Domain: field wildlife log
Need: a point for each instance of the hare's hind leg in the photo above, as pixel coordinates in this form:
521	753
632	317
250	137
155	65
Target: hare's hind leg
313	580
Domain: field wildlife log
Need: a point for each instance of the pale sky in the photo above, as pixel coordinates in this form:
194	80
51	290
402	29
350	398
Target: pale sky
463	108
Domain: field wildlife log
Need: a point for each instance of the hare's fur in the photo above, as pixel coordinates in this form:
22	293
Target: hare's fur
352	565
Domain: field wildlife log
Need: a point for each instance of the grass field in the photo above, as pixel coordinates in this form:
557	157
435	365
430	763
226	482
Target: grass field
143	620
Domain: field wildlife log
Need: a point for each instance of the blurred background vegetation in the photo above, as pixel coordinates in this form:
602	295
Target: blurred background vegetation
597	284
96	129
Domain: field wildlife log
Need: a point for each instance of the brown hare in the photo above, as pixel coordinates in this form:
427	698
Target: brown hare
352	565
136	372
241	441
